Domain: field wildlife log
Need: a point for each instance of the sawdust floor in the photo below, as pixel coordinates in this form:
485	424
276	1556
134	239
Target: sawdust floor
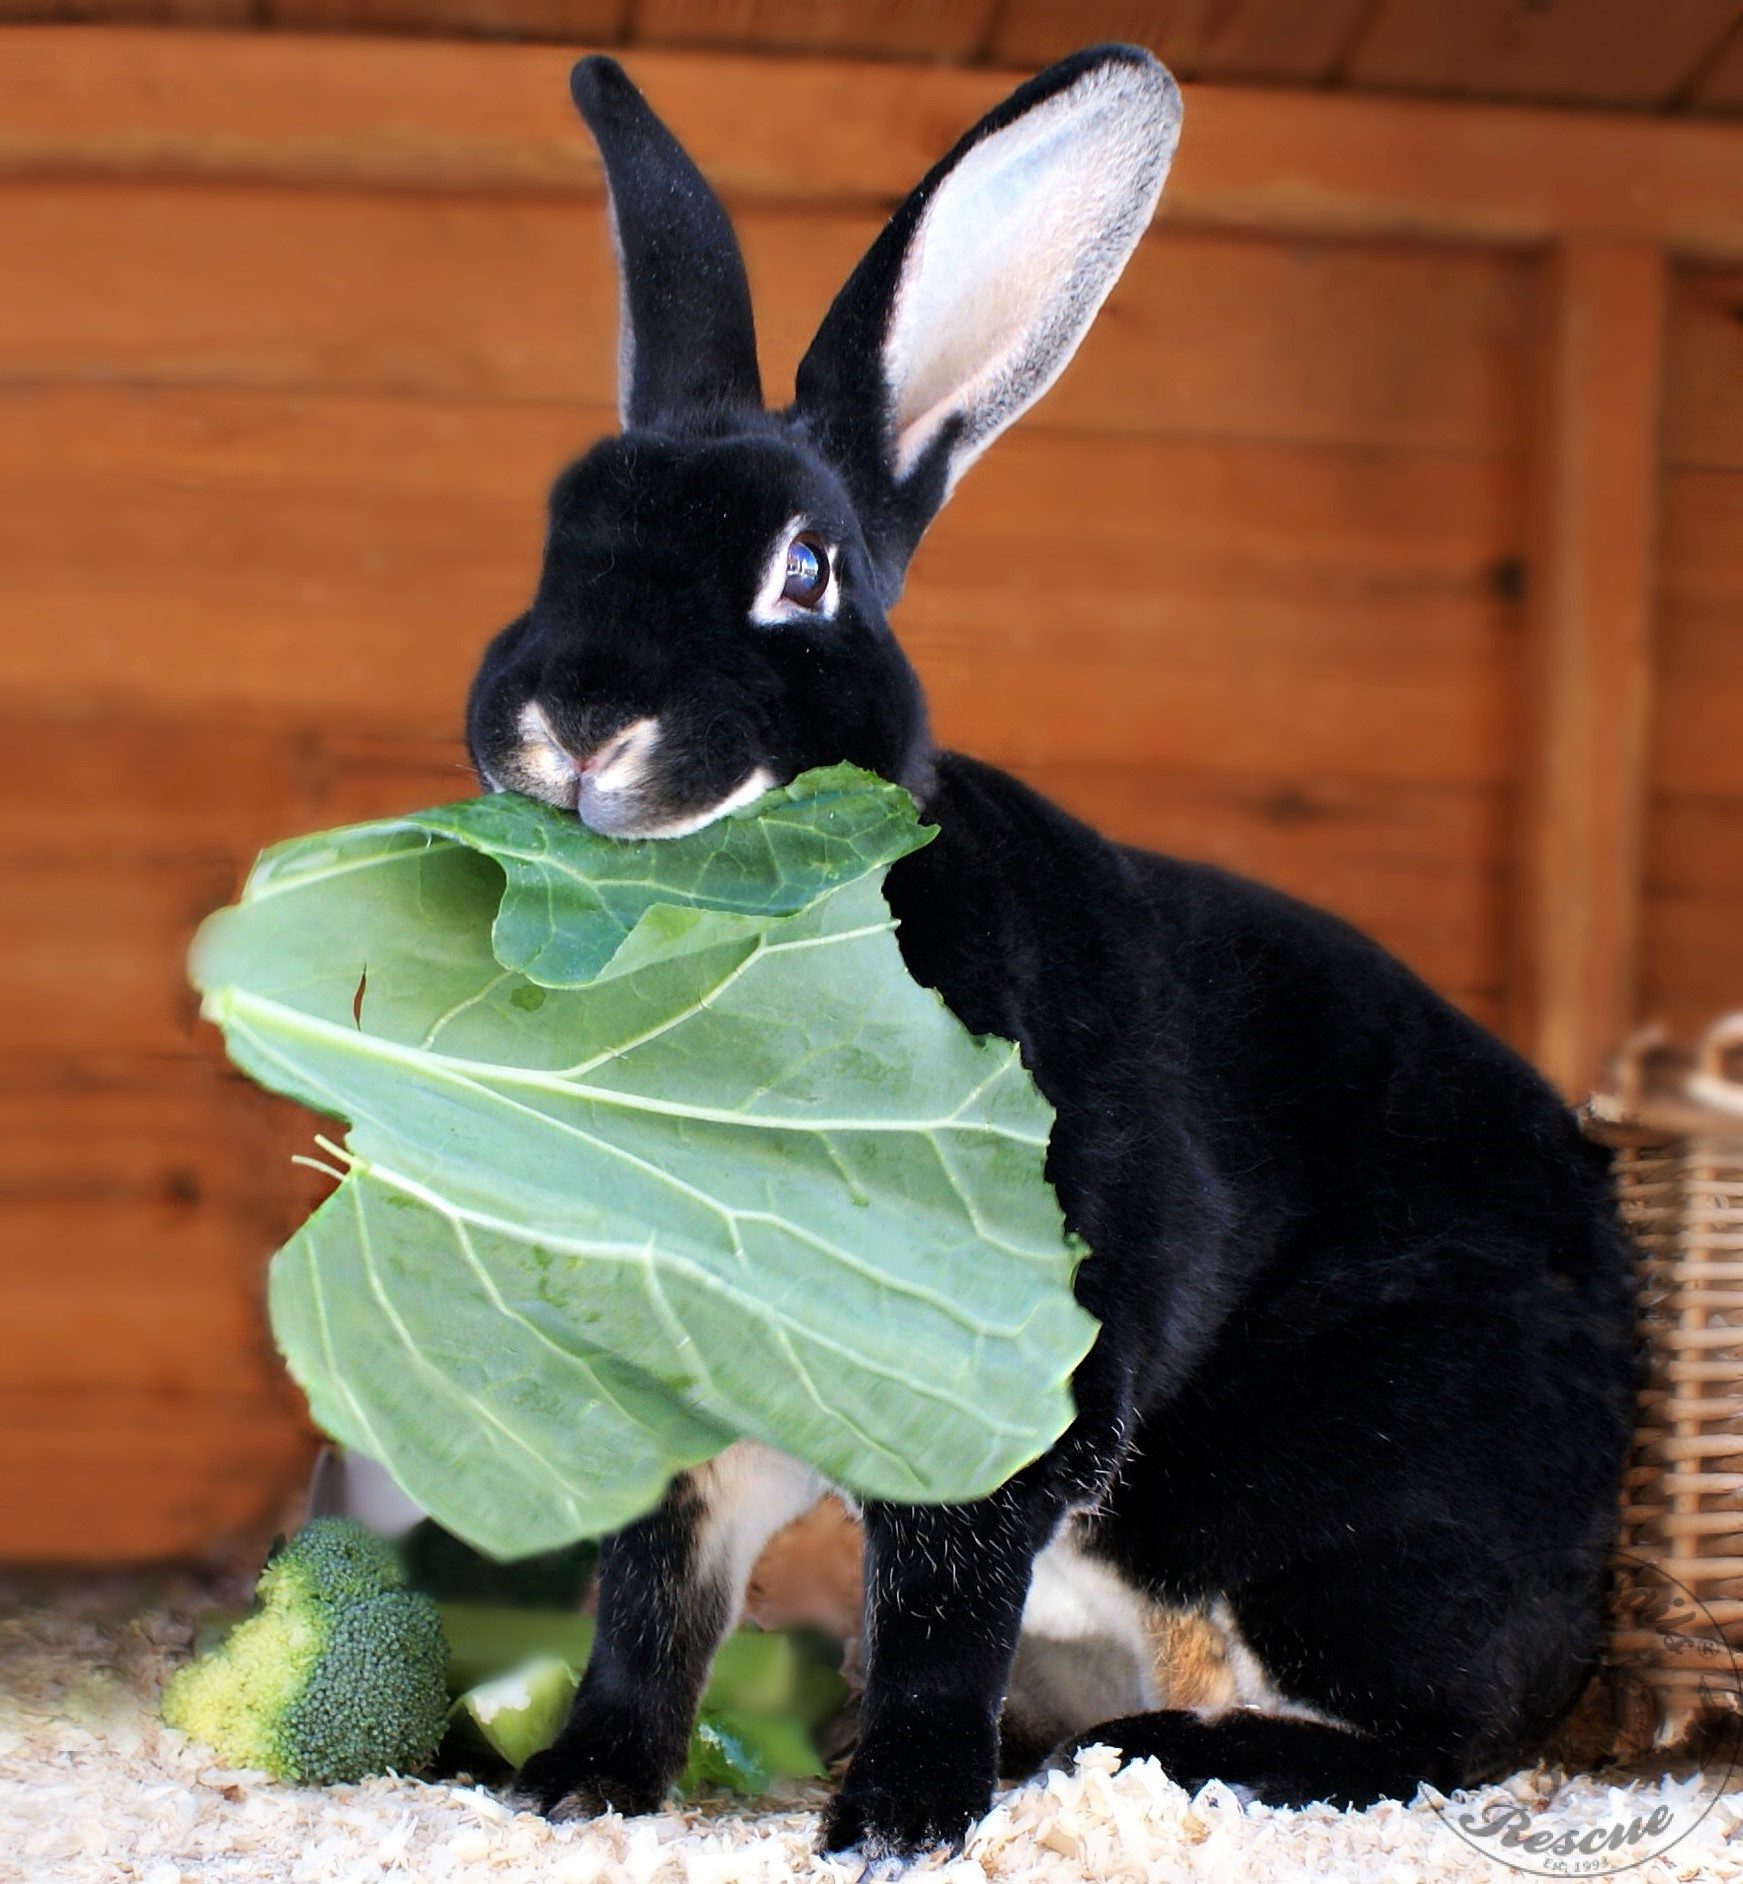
94	1791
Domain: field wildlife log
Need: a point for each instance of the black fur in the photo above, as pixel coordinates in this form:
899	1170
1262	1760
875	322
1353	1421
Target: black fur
1367	1347
683	280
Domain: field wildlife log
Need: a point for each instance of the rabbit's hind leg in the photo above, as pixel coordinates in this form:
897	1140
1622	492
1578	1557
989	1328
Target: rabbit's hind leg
1275	1759
1265	1744
1373	1669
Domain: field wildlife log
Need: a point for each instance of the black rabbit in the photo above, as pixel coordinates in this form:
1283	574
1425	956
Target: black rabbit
1362	1386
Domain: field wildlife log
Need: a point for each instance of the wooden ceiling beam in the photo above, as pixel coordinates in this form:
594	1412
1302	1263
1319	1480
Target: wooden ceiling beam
577	21
442	116
1273	42
1614	53
941	31
1718	86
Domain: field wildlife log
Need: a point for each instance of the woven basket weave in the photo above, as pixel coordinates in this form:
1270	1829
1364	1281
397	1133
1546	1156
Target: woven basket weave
1675	1123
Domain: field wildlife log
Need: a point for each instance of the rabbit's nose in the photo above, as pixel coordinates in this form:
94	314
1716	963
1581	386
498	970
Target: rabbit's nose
604	756
617	764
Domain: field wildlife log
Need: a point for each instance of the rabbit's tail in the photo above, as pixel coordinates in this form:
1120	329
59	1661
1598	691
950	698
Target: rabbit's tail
1274	1759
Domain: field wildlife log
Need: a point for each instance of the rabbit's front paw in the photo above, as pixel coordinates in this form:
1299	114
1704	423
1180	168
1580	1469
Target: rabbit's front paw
577	1777
906	1816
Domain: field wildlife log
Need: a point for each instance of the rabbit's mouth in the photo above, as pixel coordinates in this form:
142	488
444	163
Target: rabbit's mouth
614	788
609	822
615	815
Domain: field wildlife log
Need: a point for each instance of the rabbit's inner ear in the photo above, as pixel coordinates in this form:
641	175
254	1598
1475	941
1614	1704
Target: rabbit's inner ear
1021	243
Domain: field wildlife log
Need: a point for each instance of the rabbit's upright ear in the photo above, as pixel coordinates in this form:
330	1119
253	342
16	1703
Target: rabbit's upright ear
687	341
976	294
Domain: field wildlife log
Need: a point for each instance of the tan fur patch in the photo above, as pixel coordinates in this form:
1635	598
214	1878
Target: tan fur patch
1191	1660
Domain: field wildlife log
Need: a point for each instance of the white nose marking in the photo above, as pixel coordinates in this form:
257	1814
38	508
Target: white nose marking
751	789
619	764
545	769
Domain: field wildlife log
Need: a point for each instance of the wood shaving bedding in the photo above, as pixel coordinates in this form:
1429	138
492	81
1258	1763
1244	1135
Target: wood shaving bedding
94	1790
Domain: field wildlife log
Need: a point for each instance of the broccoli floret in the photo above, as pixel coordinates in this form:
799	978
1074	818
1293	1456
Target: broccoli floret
339	1672
336	1559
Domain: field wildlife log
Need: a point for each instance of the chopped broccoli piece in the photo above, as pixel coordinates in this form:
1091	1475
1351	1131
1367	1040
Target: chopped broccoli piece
339	1672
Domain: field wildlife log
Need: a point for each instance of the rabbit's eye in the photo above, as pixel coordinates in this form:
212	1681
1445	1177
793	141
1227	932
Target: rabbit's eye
807	580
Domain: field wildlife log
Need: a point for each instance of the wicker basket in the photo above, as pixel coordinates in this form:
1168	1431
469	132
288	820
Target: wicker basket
1675	1122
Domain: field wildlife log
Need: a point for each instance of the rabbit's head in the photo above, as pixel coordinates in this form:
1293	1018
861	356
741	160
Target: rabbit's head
710	618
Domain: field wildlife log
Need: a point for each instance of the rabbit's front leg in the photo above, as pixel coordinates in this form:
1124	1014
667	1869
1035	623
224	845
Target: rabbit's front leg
670	1586
945	1588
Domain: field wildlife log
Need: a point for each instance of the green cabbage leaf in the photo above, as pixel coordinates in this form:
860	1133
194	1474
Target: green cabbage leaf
652	1146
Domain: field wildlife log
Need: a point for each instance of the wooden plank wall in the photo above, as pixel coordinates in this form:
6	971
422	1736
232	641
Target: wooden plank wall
285	366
